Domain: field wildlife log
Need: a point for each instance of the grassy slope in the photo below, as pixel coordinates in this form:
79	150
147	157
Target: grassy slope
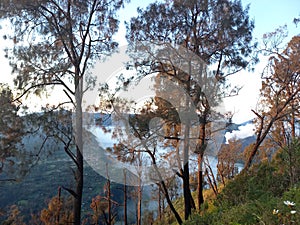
248	199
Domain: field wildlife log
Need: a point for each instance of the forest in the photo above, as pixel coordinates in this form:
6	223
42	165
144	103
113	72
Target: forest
96	132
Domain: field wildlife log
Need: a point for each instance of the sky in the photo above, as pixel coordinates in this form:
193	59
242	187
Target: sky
267	15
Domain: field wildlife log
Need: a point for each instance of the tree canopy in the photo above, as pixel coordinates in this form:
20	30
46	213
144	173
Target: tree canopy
55	44
196	34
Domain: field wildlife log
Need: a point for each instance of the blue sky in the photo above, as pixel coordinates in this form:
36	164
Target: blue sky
269	14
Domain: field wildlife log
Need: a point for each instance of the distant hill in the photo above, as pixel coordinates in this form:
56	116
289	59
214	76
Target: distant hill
236	127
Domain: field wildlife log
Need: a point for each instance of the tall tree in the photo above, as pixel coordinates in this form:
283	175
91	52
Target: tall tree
280	94
55	43
217	31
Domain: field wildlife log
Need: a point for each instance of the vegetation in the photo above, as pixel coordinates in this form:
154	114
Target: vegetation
55	43
188	25
10	137
190	48
263	195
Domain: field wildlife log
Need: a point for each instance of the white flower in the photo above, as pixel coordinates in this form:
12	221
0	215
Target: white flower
288	203
293	211
275	211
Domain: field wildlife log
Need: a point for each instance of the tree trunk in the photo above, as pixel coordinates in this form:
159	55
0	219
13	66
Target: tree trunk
200	150
293	126
79	149
211	179
166	193
186	193
139	191
125	199
186	175
139	203
79	187
200	197
109	203
164	189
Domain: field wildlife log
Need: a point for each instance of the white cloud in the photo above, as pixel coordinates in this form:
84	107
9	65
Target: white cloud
243	132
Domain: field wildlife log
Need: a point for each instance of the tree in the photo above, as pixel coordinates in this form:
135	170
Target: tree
58	211
55	44
228	156
11	133
14	216
286	75
288	158
280	95
139	147
104	206
128	151
217	31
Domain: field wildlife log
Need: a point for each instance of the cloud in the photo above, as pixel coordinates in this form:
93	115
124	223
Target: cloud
243	132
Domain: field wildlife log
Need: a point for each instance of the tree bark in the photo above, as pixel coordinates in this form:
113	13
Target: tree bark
166	193
125	199
200	150
164	189
188	199
200	197
139	203
109	202
79	149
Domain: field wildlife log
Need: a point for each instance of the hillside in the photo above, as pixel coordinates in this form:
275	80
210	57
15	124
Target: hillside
53	169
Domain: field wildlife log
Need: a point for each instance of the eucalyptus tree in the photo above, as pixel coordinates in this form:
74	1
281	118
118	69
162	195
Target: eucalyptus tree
219	32
55	43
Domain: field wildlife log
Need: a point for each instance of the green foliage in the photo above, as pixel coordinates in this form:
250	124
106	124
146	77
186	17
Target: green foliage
10	122
254	198
261	211
288	161
12	158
